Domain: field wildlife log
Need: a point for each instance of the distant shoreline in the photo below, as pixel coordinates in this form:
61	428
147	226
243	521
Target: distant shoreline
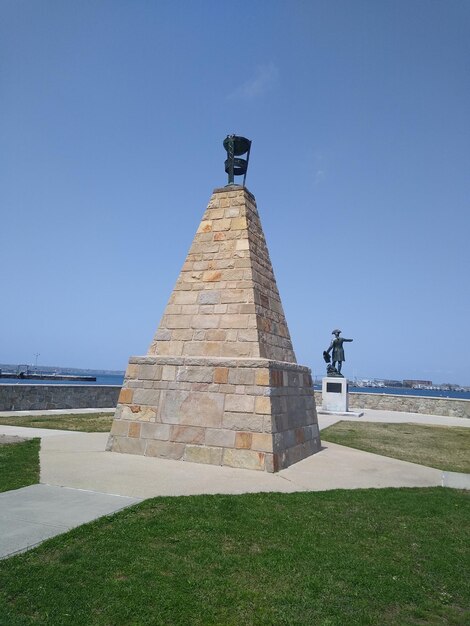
101	380
118	379
407	391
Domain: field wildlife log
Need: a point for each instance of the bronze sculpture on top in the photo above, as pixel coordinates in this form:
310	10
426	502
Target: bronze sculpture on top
336	347
235	147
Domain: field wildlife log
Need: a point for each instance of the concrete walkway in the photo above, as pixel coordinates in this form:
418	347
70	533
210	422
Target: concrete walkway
81	462
395	417
30	515
80	481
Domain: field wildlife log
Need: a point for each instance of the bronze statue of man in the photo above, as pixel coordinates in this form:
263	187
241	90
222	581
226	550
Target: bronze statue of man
337	347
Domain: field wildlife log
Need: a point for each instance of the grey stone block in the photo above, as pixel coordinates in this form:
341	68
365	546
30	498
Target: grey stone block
241	376
187	434
149	397
209	297
203	454
220	437
195	374
243	422
151	430
149	372
239	403
193	408
129	445
165	449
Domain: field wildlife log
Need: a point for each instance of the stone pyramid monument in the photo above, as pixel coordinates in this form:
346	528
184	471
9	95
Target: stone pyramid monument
220	383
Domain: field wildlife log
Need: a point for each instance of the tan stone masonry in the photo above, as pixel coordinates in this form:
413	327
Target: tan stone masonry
199	408
220	383
225	301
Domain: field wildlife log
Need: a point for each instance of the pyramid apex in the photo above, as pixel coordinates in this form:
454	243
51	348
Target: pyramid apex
226	302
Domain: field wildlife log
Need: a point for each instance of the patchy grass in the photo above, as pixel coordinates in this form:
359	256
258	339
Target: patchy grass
84	422
19	465
444	447
381	557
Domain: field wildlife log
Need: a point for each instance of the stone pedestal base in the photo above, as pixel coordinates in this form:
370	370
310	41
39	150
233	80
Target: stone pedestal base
341	414
334	393
249	413
335	397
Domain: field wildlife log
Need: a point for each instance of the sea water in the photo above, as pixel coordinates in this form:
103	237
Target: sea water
101	379
118	379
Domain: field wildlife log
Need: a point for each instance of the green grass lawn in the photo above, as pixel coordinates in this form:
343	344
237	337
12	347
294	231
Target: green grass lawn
337	558
84	422
444	447
19	465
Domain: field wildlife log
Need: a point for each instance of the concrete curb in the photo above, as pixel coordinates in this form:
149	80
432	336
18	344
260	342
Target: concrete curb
455	480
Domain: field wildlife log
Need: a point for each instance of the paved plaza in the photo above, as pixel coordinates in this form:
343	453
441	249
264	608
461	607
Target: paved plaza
81	482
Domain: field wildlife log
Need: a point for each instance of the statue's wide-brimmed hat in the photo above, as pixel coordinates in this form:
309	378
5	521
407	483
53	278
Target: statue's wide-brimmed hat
336	330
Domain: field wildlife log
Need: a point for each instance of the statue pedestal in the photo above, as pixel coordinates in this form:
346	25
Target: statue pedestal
334	393
335	397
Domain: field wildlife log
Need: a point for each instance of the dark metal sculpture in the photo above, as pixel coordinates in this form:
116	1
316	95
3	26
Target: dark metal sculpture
330	369
336	347
235	166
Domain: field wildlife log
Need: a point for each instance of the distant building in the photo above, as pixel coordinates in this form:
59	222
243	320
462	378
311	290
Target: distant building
393	383
417	383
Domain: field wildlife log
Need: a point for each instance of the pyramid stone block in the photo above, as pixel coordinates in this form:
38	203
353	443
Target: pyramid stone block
220	383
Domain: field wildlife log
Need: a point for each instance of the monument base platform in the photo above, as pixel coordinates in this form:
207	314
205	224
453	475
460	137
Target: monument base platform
248	413
334	394
342	414
335	397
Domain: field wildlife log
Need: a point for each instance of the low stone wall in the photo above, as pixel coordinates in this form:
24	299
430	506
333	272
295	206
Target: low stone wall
448	407
39	397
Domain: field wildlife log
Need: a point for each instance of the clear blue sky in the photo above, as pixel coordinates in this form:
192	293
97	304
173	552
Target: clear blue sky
112	116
